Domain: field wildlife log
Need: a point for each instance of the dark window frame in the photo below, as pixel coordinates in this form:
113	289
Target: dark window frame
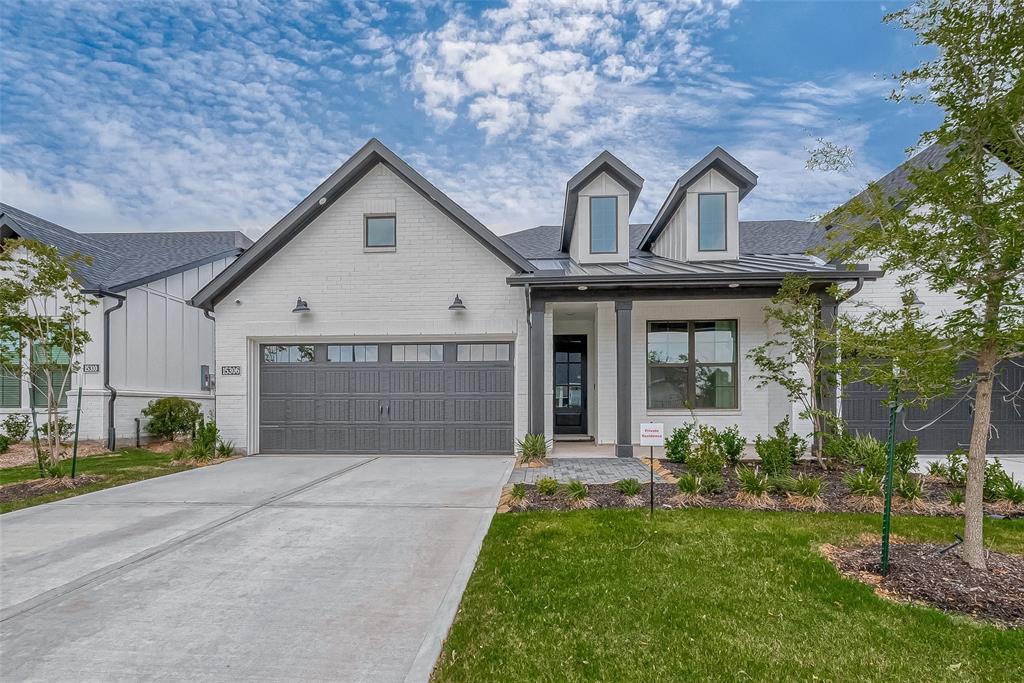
615	243
725	219
12	380
38	397
692	365
353	347
366	231
265	361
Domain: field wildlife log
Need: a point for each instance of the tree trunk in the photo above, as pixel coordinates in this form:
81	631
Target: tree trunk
973	546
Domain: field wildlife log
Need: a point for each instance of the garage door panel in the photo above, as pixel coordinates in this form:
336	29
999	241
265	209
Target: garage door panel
946	423
402	407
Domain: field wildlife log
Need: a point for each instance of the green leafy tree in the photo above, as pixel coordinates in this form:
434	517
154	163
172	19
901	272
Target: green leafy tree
959	226
799	353
42	310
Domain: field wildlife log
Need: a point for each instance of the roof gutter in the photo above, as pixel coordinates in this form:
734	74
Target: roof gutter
111	430
701	279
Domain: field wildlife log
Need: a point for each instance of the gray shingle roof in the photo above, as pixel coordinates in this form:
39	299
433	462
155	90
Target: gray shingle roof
756	237
125	259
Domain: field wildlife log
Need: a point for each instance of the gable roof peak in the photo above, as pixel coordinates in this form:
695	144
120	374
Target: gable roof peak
605	162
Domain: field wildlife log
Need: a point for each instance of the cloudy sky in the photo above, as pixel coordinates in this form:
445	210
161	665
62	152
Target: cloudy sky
207	115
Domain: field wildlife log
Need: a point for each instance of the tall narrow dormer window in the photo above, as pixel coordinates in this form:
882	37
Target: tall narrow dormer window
380	231
604	225
711	222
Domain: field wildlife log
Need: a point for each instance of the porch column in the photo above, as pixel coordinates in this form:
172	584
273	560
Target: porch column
623	378
535	424
829	312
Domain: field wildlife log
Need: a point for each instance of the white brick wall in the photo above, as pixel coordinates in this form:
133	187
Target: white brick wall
357	295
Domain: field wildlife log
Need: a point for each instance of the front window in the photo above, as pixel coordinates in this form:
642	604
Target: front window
711	222
56	360
481	352
380	231
691	363
10	372
604	232
417	353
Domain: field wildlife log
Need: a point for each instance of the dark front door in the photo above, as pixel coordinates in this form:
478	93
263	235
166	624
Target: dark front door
570	384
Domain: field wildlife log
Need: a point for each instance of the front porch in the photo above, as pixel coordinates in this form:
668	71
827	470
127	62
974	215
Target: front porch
603	361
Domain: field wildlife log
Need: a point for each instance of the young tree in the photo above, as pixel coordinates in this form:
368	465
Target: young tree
959	227
798	355
41	314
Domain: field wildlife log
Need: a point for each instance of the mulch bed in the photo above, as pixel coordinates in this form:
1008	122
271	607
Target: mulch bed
835	496
918	573
39	487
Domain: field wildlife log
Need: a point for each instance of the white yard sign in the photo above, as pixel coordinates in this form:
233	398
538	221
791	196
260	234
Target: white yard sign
652	434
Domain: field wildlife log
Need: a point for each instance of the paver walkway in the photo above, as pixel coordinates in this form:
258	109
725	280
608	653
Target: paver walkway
587	470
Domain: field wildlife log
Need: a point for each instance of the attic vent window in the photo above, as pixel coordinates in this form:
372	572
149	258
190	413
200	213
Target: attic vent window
711	222
604	225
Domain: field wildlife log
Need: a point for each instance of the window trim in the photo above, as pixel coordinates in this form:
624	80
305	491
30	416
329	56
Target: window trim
615	249
725	220
691	366
366	231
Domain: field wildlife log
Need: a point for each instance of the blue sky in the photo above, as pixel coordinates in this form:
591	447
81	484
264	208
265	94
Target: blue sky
127	116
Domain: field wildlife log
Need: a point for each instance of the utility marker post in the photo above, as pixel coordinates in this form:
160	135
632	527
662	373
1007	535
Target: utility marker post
652	434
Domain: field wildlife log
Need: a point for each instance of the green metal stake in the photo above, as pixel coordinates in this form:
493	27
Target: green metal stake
78	419
890	458
35	443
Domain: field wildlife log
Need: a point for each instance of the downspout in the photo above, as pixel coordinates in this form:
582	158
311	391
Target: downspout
111	432
208	316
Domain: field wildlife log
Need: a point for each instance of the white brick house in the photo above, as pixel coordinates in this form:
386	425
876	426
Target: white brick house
380	317
157	344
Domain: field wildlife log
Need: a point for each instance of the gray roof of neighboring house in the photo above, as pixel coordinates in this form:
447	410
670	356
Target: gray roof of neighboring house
756	237
121	260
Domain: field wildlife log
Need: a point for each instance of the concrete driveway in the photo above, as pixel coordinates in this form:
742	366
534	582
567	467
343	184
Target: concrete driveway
262	568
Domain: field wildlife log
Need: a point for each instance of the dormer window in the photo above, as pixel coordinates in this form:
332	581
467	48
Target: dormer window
711	228
604	225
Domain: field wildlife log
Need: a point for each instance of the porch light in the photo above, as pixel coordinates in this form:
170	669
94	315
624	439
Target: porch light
300	306
457	305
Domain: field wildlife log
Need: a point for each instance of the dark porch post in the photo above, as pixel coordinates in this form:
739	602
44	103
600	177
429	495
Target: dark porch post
536	367
826	380
623	379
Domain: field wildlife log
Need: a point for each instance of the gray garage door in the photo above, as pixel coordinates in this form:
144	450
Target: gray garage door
386	398
865	412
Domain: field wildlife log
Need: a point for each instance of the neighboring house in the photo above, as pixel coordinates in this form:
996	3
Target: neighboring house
158	345
946	424
378	316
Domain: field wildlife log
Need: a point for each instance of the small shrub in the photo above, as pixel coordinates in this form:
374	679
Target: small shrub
691	488
777	456
65	428
808	486
956	497
629	487
805	493
55	470
840	447
225	449
678	444
16	427
578	494
783	484
712	483
870	454
518	491
910	491
532	448
955	468
171	416
547	486
864	484
204	445
1012	492
753	488
732	444
905	457
707	457
995	481
937	469
5	443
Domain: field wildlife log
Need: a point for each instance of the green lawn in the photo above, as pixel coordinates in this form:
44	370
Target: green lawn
123	467
607	595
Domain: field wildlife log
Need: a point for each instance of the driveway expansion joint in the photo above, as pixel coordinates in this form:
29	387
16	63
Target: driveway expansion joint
117	568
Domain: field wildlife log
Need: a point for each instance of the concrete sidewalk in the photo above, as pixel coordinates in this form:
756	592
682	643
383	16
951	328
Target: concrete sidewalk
263	568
